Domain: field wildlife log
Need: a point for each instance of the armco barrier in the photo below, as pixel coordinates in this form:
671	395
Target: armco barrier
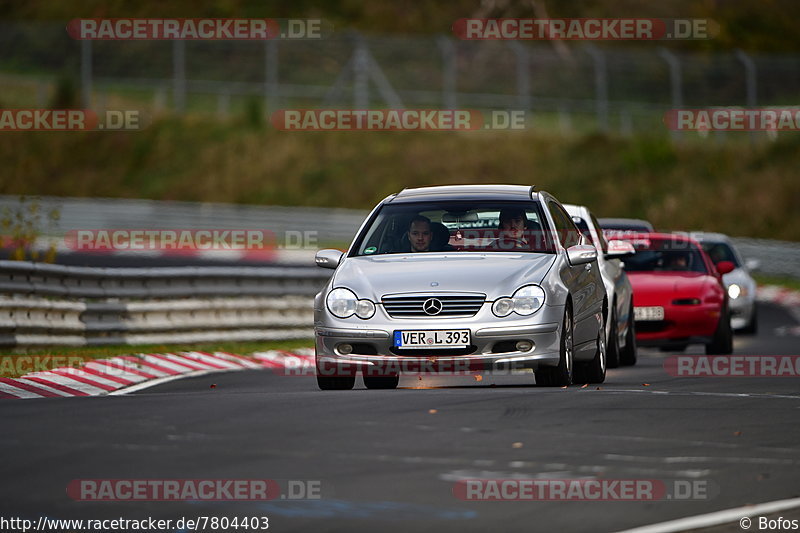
44	304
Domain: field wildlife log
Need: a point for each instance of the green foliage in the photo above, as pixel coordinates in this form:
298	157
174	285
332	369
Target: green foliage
22	225
66	95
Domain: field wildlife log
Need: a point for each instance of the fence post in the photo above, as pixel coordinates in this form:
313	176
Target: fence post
601	86
676	82
360	74
86	74
750	81
223	103
523	75
179	75
271	103
449	72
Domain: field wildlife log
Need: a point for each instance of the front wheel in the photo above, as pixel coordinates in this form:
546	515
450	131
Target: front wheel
335	377
627	355
612	346
593	371
722	343
561	375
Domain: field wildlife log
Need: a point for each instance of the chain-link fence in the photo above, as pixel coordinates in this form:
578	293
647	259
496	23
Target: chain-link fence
572	86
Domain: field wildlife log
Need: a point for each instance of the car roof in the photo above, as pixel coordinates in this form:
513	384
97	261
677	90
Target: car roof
626	222
466	192
655	236
576	210
710	237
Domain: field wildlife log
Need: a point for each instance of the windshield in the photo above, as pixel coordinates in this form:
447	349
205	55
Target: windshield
456	226
720	251
665	256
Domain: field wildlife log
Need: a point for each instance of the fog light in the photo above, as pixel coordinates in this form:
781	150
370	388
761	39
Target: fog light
345	349
524	346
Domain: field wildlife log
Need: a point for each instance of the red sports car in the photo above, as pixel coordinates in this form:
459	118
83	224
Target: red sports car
678	294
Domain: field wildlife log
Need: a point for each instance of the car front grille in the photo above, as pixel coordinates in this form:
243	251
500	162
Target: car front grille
452	305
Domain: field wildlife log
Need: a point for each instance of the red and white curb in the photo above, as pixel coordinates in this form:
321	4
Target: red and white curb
130	373
788	298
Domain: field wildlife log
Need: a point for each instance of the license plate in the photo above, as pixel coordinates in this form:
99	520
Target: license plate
648	313
447	338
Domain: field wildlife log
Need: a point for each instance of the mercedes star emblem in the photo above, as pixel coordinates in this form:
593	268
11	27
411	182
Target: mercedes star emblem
432	306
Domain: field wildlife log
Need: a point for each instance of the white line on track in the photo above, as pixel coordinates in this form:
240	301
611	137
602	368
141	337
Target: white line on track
167	379
717	518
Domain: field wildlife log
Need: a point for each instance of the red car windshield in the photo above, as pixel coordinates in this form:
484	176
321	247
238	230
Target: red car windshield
664	255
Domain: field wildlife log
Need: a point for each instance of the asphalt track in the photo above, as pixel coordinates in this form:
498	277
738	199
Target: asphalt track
388	460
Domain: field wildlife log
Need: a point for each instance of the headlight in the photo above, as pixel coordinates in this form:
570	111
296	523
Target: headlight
503	307
734	291
526	301
343	303
365	309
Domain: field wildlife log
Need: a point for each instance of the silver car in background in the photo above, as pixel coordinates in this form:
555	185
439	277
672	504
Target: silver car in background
620	329
470	297
740	285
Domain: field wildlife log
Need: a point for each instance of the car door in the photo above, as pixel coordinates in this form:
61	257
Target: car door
584	281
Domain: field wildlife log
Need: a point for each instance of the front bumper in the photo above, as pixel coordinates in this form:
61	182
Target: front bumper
742	310
681	325
492	344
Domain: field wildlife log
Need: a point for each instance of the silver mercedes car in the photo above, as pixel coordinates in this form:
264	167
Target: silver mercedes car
462	278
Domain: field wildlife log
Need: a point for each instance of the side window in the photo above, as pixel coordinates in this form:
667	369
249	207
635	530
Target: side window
568	234
600	236
584	229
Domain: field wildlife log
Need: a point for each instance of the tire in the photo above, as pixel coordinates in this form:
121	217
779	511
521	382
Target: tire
627	355
612	344
561	375
335	378
381	382
722	343
594	371
337	383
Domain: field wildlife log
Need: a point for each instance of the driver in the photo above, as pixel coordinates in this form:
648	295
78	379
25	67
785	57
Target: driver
679	261
513	223
420	234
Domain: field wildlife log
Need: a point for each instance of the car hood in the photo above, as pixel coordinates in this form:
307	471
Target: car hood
672	285
738	276
491	274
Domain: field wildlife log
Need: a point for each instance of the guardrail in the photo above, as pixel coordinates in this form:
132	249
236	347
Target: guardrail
779	258
58	305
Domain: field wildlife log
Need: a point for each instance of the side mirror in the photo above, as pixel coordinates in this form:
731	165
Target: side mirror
328	258
752	264
618	249
581	254
723	267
